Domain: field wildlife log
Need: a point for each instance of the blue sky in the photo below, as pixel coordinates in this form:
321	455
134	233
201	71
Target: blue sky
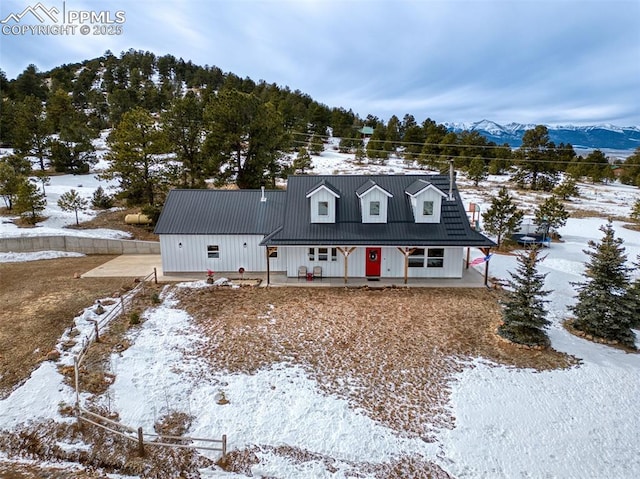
536	61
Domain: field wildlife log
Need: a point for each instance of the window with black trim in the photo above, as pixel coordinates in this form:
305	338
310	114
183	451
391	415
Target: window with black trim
273	252
213	251
312	254
435	258
427	208
334	254
323	208
323	254
374	208
416	258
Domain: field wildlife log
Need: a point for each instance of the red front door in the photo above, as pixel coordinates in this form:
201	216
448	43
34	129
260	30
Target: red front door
373	262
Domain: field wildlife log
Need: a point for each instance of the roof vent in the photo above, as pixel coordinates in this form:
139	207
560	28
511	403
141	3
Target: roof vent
263	198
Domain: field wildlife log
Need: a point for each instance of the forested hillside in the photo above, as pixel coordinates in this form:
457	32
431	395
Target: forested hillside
176	124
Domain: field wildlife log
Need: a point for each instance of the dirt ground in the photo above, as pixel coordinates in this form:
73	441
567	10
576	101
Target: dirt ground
391	352
38	301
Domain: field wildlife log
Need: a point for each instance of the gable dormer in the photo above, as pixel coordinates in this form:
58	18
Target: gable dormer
374	202
426	201
322	202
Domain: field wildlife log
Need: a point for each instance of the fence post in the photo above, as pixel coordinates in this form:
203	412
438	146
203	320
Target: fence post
76	371
140	442
155	275
122	305
224	445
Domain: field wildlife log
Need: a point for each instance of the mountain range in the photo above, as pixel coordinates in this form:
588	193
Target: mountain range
589	137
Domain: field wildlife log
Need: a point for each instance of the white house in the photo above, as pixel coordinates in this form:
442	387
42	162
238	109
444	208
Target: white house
349	226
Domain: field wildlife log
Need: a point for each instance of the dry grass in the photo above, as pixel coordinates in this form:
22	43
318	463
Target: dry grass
38	301
390	352
115	220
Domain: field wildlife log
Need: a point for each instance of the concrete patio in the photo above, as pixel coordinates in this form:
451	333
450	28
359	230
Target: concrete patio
139	266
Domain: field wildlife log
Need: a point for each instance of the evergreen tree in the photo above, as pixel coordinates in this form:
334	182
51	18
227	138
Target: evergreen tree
477	171
316	146
635	211
503	216
30	201
551	213
631	169
244	138
136	144
184	126
567	188
72	201
599	168
603	308
536	158
100	200
633	296
9	183
31	130
360	155
302	161
524	314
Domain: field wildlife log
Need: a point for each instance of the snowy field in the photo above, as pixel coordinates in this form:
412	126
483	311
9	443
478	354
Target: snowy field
582	422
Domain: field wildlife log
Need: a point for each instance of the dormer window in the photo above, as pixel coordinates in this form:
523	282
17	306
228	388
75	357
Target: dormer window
426	201
322	202
374	201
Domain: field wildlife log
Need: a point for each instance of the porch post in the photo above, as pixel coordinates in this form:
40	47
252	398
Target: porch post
406	252
268	269
345	253
486	252
468	255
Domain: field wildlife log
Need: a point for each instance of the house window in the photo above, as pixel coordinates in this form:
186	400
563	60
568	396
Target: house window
323	208
416	258
435	258
322	254
273	253
213	251
427	208
374	208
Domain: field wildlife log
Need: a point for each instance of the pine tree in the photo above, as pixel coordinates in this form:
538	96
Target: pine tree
635	211
136	144
302	161
72	201
316	147
503	216
551	214
536	160
30	201
477	171
603	308
524	314
567	189
101	200
633	296
360	155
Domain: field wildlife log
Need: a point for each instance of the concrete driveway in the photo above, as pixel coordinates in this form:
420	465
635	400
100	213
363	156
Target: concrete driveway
128	266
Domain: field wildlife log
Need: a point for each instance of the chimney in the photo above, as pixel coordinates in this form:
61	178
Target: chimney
451	179
263	198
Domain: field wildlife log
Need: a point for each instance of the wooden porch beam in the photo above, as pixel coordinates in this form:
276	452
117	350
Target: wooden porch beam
346	252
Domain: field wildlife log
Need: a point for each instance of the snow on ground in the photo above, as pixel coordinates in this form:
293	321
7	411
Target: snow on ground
277	406
56	219
575	423
36	256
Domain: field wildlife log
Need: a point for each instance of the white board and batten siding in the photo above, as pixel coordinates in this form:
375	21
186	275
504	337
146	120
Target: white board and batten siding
392	263
322	195
374	195
189	253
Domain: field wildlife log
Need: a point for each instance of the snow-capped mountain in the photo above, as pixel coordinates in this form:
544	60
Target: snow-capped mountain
597	136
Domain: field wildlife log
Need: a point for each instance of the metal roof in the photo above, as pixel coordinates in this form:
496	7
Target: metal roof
368	185
324	183
221	212
400	229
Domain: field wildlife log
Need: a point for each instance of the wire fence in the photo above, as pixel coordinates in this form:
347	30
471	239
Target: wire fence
136	435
